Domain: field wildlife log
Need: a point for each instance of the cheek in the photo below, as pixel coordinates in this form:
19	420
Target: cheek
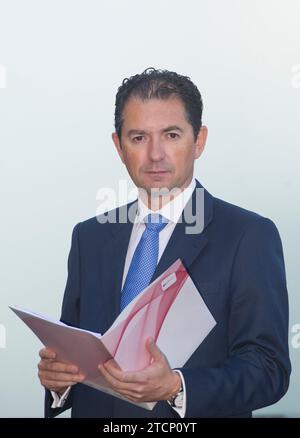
182	158
134	160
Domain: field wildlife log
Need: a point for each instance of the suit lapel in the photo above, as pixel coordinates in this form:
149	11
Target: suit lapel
187	246
115	256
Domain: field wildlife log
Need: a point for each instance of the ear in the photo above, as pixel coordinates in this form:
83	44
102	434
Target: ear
200	141
118	146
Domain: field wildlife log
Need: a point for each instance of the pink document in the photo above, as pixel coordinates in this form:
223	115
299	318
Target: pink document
170	310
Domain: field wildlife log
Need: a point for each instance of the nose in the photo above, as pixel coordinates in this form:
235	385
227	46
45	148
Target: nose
156	150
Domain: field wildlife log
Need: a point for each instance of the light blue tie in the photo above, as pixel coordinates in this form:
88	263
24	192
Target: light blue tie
144	259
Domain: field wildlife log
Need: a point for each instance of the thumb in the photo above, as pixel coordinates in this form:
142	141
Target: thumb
154	350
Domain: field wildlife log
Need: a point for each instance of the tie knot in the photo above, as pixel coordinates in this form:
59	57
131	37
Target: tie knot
155	222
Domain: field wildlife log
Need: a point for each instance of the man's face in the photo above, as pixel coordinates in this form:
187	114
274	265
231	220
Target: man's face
157	143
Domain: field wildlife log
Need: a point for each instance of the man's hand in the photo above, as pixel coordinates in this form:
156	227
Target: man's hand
57	376
156	382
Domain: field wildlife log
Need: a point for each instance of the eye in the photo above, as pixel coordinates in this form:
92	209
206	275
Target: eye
172	135
138	139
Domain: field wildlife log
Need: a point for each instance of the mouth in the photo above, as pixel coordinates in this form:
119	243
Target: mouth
157	172
157	175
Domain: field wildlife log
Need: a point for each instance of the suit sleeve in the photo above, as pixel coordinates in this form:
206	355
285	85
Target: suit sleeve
70	311
256	372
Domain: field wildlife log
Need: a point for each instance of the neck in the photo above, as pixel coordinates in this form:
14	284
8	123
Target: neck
157	198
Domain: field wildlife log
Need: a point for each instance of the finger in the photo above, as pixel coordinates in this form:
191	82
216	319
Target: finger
61	377
130	396
136	397
132	391
113	368
113	381
122	376
53	385
113	364
58	367
47	353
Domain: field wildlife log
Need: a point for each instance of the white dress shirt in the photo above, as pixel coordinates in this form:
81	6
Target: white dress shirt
172	212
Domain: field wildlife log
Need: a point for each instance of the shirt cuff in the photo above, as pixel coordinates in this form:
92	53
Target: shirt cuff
181	411
59	400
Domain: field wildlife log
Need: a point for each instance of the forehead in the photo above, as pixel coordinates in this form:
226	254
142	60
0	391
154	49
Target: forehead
153	113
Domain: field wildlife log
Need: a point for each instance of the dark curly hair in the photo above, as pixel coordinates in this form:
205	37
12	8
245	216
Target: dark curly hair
160	84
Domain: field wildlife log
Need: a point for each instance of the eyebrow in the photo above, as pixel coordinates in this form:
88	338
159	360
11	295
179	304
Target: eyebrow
173	128
135	132
141	132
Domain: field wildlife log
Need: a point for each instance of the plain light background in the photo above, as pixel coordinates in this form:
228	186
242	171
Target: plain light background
60	65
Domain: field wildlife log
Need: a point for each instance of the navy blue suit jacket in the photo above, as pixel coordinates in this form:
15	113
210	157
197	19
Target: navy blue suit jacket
237	265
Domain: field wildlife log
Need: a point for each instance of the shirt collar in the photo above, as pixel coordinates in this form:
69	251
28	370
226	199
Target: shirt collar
172	210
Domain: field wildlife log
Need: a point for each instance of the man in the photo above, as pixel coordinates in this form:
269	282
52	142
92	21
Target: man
235	261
